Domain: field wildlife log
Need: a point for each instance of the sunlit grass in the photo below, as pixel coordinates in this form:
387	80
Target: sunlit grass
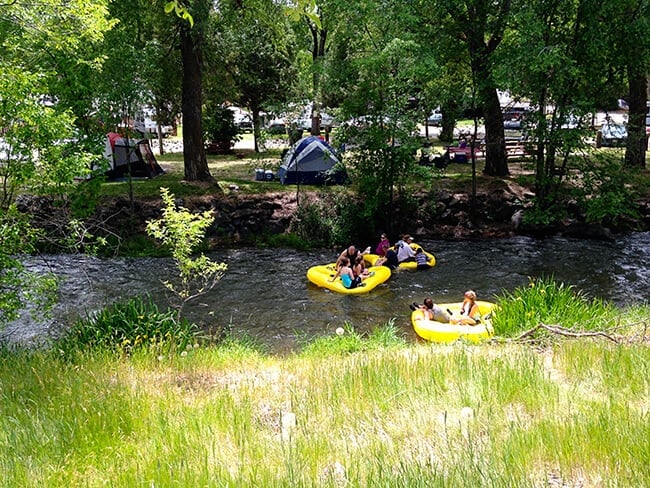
546	301
349	409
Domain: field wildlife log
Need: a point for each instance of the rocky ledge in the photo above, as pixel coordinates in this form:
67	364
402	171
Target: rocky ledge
439	214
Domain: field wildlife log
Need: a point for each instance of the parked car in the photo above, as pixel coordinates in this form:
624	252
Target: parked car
611	134
242	118
277	126
435	119
304	120
513	118
512	124
145	123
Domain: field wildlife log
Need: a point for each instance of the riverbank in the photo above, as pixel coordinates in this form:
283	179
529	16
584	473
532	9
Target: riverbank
243	217
248	211
345	412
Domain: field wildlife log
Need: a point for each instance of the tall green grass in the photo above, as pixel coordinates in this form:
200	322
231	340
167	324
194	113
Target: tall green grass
352	410
546	301
125	326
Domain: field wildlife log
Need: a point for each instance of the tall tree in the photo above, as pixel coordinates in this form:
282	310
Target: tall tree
42	47
192	40
255	47
627	26
559	57
478	26
374	71
318	17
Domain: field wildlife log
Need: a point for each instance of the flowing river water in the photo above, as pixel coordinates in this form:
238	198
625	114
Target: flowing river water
265	293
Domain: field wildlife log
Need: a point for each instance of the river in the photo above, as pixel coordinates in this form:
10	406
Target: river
266	295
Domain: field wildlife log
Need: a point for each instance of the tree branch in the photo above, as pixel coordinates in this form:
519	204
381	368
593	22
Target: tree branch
563	331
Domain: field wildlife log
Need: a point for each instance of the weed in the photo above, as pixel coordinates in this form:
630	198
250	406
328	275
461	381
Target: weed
128	326
546	301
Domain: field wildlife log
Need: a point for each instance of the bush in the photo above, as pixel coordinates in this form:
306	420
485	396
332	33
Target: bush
220	129
604	192
545	301
333	219
127	326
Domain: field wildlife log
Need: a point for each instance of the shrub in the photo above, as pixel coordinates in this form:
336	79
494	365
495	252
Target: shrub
128	326
332	219
220	129
603	192
545	301
181	231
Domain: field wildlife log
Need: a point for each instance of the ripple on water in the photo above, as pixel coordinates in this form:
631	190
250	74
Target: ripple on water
265	292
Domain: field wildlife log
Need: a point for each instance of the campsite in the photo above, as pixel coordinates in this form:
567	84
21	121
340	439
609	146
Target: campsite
158	324
312	161
130	157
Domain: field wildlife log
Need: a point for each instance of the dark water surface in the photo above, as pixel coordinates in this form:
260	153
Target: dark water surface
266	294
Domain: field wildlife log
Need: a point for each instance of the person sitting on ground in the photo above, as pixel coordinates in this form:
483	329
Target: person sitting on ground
382	246
432	311
422	259
405	252
347	275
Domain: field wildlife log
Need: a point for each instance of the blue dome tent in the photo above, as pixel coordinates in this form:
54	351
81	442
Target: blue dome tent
311	161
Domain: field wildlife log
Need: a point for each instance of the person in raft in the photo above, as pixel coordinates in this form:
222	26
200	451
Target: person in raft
469	311
359	268
405	252
347	275
382	246
389	260
351	254
432	311
421	259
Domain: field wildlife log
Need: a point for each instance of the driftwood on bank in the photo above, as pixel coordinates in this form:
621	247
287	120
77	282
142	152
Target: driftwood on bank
563	331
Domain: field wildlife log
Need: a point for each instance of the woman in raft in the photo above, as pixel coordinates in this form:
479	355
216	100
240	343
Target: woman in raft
469	311
347	275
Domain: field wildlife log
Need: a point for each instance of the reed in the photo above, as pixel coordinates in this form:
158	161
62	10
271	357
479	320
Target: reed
370	411
546	301
130	325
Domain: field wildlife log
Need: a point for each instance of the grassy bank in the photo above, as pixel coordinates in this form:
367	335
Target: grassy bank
346	411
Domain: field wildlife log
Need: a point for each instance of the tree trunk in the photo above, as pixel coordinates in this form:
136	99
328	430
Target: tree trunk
257	122
449	112
637	142
195	161
161	148
496	162
319	38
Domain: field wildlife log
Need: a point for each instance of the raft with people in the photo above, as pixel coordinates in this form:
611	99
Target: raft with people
372	259
448	332
322	275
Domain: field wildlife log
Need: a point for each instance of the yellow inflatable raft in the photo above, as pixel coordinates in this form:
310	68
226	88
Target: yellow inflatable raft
322	274
371	259
446	333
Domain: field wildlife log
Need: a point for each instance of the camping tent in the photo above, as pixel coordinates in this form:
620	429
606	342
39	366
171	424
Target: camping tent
311	161
126	155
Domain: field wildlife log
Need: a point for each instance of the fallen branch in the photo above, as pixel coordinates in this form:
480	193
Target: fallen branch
559	330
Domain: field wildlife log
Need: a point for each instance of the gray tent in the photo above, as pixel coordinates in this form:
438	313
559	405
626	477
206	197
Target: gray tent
311	161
